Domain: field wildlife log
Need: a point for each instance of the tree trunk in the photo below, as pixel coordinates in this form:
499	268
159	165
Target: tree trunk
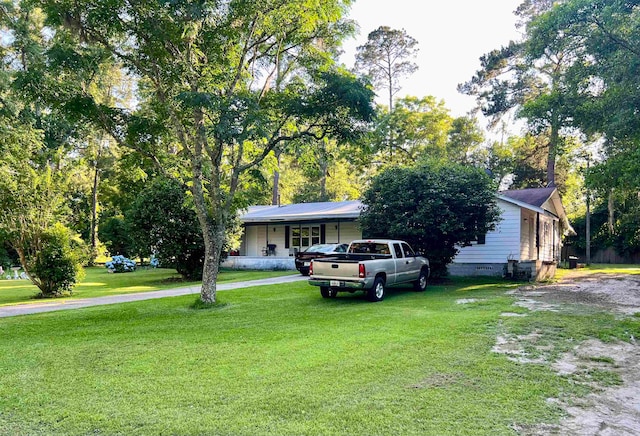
611	210
94	209
211	268
551	158
275	198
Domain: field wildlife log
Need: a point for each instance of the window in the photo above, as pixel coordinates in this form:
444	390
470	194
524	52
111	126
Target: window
315	235
305	236
295	237
398	250
408	252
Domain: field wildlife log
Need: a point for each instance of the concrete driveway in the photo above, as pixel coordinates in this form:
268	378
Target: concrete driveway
52	305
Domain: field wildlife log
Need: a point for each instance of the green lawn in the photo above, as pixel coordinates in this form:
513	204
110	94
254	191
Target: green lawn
280	360
599	268
98	283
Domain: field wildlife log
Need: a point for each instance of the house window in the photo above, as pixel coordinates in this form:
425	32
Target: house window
305	236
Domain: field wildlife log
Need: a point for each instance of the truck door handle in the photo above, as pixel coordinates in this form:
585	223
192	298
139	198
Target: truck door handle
334	266
407	262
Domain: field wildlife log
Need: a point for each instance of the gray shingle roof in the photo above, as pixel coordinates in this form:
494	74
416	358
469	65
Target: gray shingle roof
533	196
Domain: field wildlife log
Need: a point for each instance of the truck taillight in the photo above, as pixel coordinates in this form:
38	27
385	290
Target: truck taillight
311	268
361	271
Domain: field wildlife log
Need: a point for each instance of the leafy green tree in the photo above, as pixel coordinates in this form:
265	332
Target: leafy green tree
604	93
530	79
414	129
114	231
164	225
32	205
211	112
387	58
434	206
464	139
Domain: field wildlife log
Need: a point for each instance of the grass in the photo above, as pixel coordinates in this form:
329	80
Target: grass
98	283
278	360
600	268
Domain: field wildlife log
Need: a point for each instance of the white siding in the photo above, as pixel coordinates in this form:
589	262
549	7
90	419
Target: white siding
547	238
528	249
501	244
344	233
261	239
250	237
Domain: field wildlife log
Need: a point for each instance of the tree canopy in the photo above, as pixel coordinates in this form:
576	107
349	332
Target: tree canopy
215	99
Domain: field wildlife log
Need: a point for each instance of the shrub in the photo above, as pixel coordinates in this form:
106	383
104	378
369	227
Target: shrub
162	222
435	207
120	264
56	266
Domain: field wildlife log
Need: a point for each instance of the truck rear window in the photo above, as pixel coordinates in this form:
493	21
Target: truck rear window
369	248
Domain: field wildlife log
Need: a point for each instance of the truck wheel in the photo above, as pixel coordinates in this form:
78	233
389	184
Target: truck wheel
421	284
327	292
376	293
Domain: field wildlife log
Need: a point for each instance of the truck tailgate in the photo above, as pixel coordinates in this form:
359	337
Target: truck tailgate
335	268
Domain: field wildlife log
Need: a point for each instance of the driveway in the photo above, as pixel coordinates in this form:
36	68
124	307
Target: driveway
52	305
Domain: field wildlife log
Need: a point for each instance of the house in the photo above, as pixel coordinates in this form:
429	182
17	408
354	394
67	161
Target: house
525	243
273	234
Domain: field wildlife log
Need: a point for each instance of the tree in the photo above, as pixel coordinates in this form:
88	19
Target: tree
465	138
435	207
416	127
529	77
386	58
604	91
31	205
163	225
206	73
35	163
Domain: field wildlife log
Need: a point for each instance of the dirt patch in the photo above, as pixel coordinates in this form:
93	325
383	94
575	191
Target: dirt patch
612	370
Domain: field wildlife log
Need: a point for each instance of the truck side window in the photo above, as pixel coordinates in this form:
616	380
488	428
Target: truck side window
408	252
398	250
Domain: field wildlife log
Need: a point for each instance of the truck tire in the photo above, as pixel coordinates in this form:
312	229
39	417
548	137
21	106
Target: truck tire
421	284
327	292
376	293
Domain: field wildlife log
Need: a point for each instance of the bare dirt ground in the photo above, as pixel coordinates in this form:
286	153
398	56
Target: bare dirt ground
610	409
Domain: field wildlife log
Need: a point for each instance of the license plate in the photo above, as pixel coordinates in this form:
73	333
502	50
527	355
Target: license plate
334	283
307	263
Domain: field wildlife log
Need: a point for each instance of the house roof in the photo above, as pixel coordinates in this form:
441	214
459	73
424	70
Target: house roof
533	196
535	199
539	200
303	212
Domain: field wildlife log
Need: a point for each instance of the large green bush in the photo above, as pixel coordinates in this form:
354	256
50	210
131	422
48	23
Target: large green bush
56	266
434	206
162	223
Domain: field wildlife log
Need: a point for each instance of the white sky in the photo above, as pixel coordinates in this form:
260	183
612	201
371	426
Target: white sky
451	35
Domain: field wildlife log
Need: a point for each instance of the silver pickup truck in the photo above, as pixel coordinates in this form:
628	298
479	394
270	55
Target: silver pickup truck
370	265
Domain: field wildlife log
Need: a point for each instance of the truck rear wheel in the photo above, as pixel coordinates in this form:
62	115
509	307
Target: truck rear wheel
421	284
327	292
376	293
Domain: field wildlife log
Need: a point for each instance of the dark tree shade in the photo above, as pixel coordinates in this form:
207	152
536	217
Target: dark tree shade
163	225
434	207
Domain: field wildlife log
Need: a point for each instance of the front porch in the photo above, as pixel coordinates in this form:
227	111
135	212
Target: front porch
270	263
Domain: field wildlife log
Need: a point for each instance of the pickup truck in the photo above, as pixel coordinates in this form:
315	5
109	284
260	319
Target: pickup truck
370	265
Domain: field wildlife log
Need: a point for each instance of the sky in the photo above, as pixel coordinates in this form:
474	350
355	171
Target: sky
451	35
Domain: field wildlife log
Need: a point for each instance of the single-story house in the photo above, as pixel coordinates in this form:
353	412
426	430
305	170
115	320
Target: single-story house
526	242
273	234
